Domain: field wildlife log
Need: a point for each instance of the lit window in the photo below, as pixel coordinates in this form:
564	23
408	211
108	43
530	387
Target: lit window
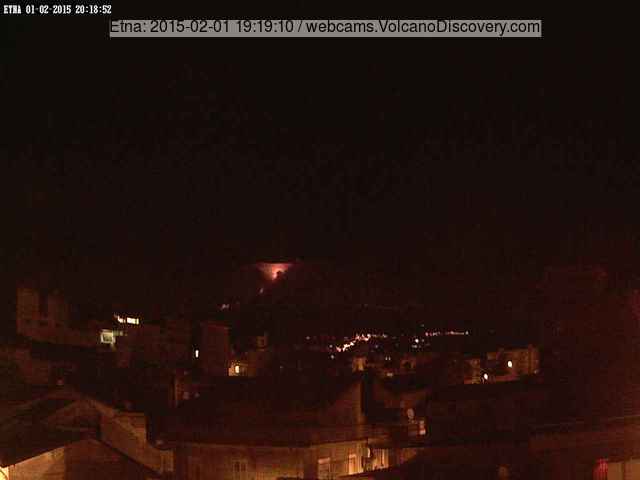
196	353
236	369
353	463
240	470
107	336
129	320
324	468
510	364
422	428
485	376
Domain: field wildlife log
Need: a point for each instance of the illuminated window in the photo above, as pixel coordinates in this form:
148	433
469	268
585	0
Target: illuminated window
107	336
485	376
129	320
324	468
381	458
510	364
196	353
236	369
240	470
353	463
422	428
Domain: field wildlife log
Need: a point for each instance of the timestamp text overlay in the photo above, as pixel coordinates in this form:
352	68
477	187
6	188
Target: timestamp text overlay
291	28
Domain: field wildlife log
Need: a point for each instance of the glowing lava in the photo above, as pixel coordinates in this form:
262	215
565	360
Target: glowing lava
273	270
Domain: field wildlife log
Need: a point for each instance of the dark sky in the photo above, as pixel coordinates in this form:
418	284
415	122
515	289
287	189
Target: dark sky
151	164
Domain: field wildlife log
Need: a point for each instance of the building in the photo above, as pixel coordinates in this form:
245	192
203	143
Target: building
60	434
213	352
252	428
254	360
43	316
167	345
70	458
503	365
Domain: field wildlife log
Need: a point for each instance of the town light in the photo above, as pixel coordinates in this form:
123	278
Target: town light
485	376
236	369
510	364
196	353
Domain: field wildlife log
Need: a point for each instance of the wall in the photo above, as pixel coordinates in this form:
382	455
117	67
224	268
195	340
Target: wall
215	351
126	432
154	344
218	462
346	410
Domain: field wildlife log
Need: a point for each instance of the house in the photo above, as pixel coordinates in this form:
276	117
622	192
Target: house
43	316
269	429
503	365
70	458
61	434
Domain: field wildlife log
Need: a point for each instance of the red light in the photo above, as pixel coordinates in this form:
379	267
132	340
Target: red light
601	469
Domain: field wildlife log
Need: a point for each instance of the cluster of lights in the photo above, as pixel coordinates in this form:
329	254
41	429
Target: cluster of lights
448	333
364	337
129	320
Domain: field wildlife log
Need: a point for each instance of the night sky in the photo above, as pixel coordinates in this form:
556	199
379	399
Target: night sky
148	169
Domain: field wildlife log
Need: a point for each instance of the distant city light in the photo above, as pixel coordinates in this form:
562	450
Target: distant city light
447	333
196	353
359	337
236	369
224	306
510	364
485	376
416	340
